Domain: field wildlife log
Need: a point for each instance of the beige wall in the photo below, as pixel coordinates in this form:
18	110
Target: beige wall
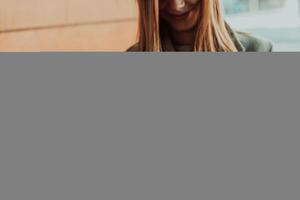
67	25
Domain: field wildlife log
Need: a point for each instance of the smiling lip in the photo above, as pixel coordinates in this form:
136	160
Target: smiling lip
180	16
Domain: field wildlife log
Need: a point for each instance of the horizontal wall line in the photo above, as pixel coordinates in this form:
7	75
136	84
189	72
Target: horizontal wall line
67	25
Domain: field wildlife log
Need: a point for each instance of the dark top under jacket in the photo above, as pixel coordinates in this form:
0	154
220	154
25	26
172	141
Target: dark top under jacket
244	42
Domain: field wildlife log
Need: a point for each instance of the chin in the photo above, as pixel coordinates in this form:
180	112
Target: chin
183	27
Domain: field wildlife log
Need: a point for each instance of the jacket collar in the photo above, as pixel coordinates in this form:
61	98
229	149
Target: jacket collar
234	38
168	45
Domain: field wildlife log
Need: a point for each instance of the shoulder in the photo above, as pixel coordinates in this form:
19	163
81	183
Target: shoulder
250	42
254	43
133	48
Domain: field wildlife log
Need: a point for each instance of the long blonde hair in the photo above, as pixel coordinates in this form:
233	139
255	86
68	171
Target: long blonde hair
211	34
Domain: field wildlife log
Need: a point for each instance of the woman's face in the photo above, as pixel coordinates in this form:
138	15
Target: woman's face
181	15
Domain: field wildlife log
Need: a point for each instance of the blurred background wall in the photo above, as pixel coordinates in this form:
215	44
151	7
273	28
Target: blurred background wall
67	25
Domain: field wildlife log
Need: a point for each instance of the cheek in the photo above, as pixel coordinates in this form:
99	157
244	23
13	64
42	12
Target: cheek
192	1
162	4
163	7
195	1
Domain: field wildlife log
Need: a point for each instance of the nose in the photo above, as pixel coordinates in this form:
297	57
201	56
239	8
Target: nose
177	5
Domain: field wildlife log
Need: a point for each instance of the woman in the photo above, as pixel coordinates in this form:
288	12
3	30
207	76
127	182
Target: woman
190	25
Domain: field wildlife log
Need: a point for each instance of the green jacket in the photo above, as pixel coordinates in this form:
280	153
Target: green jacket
244	42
